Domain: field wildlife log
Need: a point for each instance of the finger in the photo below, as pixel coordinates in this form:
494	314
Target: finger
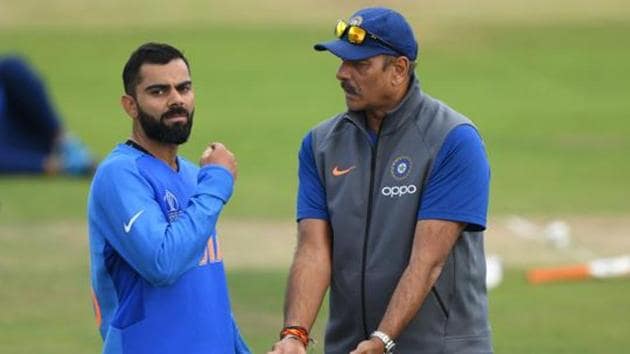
274	348
206	155
217	145
356	351
208	150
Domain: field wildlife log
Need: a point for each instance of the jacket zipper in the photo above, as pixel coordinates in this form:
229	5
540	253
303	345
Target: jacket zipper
367	233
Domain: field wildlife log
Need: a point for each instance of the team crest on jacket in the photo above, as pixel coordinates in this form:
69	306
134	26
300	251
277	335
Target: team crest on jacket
401	167
172	205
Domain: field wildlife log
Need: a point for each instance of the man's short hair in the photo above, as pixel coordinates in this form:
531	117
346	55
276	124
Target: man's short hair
151	53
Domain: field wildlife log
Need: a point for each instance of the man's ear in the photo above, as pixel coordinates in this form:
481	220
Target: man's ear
130	105
401	66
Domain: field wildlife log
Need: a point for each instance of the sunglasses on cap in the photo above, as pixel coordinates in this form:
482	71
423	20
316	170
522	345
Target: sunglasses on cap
358	35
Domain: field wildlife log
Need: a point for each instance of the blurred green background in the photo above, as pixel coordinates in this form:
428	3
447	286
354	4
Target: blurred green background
546	83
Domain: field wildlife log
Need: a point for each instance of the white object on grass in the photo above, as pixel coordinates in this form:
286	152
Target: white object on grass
494	271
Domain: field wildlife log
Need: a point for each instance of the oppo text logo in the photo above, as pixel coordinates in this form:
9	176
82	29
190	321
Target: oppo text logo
398	191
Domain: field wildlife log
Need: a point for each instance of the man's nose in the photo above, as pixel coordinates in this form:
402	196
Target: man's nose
343	71
175	98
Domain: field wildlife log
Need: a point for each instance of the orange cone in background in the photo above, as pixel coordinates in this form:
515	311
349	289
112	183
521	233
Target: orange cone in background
599	268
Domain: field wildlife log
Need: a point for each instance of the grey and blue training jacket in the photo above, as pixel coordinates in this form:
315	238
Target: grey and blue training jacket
373	215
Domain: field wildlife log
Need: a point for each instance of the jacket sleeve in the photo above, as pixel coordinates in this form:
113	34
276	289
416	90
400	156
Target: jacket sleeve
311	196
459	183
129	217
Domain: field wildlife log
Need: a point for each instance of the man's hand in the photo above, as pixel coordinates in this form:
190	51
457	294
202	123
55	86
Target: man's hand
371	346
288	346
217	153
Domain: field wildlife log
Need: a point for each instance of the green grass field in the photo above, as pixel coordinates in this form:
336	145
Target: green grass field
550	101
550	98
46	308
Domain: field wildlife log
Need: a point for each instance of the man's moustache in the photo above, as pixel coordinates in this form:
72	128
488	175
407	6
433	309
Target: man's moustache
174	112
348	88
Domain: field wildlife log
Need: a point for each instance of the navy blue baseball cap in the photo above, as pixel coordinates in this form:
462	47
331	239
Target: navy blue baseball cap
395	36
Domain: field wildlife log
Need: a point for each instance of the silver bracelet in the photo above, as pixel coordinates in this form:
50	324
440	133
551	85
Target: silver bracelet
387	341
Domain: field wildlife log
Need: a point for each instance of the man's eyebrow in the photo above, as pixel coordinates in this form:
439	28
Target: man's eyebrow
183	84
156	87
165	86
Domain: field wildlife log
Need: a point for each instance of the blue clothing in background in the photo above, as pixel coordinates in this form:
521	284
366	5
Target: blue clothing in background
28	122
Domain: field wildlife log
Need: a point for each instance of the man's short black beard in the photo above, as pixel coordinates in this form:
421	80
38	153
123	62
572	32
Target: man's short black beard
159	131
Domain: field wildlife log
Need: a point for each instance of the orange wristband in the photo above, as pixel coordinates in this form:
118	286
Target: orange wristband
297	332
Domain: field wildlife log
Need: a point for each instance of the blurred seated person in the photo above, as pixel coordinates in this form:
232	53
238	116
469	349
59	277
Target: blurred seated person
32	137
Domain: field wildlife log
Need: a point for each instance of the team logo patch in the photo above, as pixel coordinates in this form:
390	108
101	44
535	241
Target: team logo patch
172	204
401	167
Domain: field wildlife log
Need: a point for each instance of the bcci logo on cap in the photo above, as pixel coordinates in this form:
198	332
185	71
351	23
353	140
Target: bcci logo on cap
401	167
355	21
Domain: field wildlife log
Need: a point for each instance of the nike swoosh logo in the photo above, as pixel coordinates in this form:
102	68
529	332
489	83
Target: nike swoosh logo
337	172
132	220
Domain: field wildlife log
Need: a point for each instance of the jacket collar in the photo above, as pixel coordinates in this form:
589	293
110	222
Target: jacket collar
397	117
